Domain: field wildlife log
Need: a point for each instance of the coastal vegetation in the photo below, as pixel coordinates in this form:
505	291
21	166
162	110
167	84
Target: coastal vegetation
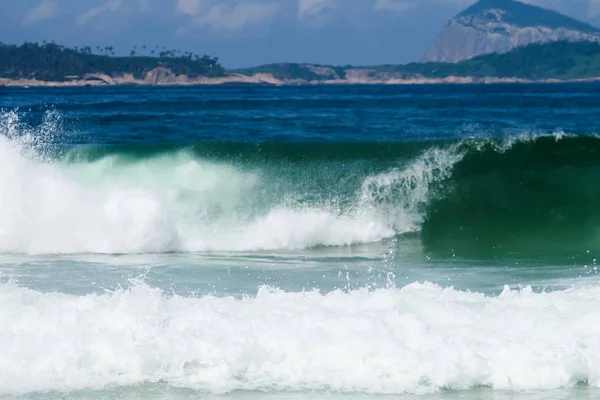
557	60
52	62
295	71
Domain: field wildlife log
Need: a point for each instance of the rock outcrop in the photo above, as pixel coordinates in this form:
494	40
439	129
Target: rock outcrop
498	26
101	79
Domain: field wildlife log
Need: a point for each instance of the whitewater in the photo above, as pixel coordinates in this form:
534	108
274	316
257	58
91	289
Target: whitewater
340	243
176	202
418	339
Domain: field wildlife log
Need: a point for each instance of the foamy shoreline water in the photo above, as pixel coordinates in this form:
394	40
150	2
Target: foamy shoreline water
419	339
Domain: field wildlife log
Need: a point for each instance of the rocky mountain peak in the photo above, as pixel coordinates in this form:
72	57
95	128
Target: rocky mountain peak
498	26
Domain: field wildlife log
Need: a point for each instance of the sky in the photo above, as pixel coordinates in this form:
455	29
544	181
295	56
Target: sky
245	33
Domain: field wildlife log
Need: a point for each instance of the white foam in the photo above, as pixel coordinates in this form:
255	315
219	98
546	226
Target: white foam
177	202
421	338
45	210
180	204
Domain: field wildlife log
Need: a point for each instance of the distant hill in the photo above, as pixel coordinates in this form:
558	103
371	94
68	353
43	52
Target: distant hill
53	65
498	26
561	60
52	62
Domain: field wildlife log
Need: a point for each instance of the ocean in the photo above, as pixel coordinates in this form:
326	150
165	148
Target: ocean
310	242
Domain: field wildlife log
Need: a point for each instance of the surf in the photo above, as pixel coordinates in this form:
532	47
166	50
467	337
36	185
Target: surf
480	195
420	338
164	202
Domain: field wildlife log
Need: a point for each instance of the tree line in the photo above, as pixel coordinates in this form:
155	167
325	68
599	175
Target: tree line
54	62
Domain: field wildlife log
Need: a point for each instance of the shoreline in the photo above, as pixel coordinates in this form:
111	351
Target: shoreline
576	65
163	77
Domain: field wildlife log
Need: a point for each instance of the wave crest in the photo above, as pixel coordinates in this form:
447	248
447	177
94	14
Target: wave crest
476	195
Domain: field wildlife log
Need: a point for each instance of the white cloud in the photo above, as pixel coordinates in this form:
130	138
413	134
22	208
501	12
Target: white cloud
109	6
189	7
313	8
394	6
228	16
238	16
594	8
145	5
43	11
308	8
401	6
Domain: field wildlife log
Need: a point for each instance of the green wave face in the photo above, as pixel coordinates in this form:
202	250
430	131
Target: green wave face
537	195
478	196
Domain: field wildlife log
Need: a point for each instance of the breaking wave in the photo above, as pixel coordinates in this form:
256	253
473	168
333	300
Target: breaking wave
490	194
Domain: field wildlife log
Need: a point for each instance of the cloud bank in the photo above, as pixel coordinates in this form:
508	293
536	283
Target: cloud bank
45	10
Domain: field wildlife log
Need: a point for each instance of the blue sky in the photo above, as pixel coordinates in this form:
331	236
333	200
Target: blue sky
251	32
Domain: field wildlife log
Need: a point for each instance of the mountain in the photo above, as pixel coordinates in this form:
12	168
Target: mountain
498	26
547	62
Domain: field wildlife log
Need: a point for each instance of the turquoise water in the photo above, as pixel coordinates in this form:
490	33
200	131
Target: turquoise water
313	242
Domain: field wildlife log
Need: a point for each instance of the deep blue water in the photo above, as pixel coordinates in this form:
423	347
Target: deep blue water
332	113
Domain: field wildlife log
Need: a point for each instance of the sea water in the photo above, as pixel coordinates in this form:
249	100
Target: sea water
336	242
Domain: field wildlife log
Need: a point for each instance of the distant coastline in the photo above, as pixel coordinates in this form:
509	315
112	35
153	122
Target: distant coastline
268	79
52	65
